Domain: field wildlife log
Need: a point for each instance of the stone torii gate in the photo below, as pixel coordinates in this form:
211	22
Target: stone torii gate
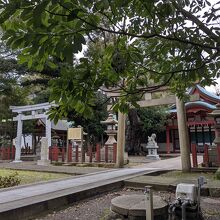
148	101
38	111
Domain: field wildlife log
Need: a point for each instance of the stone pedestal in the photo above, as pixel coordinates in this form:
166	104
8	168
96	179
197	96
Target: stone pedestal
110	153
44	153
152	154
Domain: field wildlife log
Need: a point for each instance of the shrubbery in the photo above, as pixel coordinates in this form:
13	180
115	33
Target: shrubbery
11	180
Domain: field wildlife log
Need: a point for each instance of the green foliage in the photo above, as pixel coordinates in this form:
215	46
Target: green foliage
10	91
217	174
153	119
91	125
10	180
154	43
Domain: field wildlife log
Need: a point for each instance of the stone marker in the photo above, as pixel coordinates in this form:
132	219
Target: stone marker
44	153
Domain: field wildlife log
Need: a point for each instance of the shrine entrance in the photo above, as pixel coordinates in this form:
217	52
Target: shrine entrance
29	112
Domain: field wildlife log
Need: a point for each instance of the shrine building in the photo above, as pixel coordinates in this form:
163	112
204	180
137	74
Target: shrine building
200	125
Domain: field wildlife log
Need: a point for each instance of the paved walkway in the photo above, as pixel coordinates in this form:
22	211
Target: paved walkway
27	195
22	196
167	164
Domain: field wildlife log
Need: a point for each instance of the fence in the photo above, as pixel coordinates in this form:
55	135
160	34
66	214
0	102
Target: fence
7	153
96	154
211	156
76	154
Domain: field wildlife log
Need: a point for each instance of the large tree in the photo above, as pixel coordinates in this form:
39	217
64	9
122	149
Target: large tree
156	43
142	123
164	42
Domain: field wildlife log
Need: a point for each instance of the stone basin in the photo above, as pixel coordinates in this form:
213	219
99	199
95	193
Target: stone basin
133	207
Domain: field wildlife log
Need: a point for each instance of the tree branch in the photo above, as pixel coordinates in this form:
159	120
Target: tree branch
194	19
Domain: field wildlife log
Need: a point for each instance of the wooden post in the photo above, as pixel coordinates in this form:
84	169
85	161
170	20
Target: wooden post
3	153
77	153
106	153
114	152
183	135
8	152
168	140
174	140
69	153
55	153
120	140
206	155
218	154
13	152
98	153
52	153
210	135
82	153
90	153
194	155
63	154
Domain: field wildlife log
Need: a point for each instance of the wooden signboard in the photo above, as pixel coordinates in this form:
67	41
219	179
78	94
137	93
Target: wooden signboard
75	134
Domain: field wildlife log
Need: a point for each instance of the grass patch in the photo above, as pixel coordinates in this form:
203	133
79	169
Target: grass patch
27	177
188	176
192	177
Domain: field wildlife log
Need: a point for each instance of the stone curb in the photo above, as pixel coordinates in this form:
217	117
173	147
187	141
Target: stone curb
205	191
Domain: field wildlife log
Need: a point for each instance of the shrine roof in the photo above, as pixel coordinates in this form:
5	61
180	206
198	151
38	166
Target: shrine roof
62	125
196	104
206	93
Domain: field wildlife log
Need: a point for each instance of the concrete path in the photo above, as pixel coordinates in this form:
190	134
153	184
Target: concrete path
17	201
12	199
167	164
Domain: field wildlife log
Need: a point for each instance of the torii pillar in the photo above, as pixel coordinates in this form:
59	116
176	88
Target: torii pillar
183	135
18	139
48	132
120	140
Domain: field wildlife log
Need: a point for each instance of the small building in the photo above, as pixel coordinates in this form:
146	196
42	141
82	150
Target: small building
200	125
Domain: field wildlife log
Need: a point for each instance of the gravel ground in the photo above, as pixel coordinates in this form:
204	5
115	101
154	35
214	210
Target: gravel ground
98	207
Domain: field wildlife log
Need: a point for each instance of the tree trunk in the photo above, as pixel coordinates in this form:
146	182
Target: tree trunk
134	133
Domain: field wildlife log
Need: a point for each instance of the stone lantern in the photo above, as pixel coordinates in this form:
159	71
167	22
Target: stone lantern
111	129
216	114
111	132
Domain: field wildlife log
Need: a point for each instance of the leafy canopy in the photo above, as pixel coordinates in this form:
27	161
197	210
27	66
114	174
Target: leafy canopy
153	43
